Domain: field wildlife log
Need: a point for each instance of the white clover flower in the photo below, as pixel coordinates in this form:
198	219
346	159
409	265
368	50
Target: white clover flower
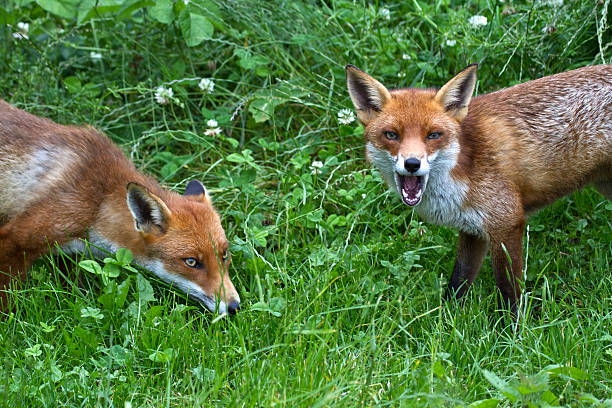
212	130
451	43
23	31
163	95
346	116
207	85
95	55
553	3
316	166
406	56
478	21
385	13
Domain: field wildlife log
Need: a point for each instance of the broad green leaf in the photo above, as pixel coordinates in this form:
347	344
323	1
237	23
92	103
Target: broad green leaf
438	369
235	158
162	356
129	6
204	374
488	403
86	337
195	28
550	398
162	11
72	84
91	266
92	312
122	292
145	290
512	394
56	373
112	270
570	372
124	256
262	109
85	10
62	8
169	169
118	354
33	351
264	307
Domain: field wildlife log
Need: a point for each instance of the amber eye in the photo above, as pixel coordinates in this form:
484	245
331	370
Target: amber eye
390	135
434	135
225	255
192	262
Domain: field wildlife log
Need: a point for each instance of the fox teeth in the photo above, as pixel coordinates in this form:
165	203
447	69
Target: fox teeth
417	195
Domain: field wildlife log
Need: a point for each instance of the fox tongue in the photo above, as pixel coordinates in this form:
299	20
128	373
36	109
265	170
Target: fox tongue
411	189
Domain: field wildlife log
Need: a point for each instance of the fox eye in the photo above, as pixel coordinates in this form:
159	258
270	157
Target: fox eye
434	135
192	263
390	135
225	255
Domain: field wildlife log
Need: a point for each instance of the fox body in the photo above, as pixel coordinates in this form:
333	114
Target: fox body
62	184
482	164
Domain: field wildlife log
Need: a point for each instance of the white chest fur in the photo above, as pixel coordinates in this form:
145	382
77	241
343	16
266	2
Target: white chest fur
443	201
98	246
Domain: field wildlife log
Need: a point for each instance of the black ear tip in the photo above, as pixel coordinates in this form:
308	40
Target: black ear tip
195	187
132	186
350	67
474	65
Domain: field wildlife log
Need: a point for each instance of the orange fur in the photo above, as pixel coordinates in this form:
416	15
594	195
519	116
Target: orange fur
61	184
483	164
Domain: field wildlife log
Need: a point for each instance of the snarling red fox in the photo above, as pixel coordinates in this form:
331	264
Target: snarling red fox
482	164
62	184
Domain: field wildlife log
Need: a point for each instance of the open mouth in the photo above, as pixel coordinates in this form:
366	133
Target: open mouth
411	189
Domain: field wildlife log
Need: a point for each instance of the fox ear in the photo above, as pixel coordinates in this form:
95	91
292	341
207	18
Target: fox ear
368	95
150	213
455	96
195	189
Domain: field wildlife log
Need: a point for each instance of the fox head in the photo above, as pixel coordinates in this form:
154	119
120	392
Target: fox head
411	133
184	244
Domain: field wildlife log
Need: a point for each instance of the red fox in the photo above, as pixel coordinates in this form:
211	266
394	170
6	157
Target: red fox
482	165
62	184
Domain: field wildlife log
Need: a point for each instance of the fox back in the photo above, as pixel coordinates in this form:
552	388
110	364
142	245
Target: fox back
63	184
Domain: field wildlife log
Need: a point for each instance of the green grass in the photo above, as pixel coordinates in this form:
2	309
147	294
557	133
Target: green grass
341	284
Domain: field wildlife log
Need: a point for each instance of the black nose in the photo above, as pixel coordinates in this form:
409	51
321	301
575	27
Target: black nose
233	307
412	164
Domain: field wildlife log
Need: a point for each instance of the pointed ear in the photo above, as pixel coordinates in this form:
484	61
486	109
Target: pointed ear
195	189
368	95
150	213
455	96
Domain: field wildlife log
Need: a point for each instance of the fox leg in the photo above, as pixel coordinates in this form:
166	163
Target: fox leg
471	251
13	263
23	240
507	258
605	188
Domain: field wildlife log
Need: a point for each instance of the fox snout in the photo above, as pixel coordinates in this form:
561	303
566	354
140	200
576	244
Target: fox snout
411	178
412	164
233	307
